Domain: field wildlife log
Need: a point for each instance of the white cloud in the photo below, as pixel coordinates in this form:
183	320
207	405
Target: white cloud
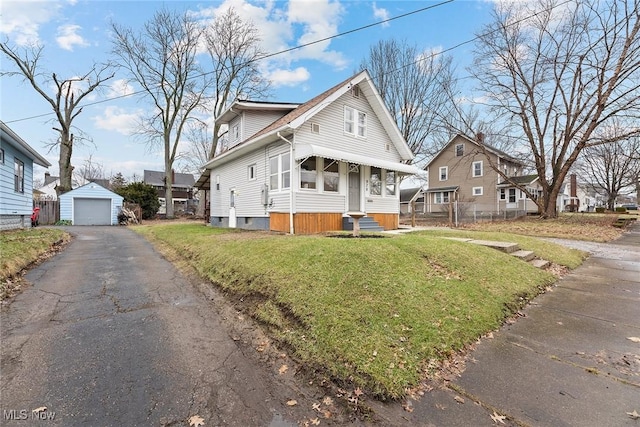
289	77
68	37
381	13
118	120
119	88
21	20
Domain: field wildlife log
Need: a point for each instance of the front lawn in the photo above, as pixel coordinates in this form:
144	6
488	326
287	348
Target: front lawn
370	312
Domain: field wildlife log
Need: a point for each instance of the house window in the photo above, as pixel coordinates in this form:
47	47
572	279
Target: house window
441	197
444	173
459	150
355	91
477	191
355	122
236	132
18	176
251	172
512	195
477	168
391	183
331	175
503	194
2	156
280	172
217	182
308	173
375	182
315	128
274	173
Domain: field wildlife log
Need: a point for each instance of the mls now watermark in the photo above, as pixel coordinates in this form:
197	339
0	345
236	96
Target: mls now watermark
23	414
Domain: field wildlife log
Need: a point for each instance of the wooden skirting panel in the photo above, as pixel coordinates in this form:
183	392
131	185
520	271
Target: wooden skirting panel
306	223
386	220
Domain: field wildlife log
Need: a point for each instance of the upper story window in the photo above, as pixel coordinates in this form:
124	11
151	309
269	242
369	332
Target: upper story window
308	173
459	150
355	122
391	183
444	173
477	168
18	176
235	132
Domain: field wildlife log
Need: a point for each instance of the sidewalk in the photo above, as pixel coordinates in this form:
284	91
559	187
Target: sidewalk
568	362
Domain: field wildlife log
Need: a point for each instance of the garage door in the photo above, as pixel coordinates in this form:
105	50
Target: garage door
91	211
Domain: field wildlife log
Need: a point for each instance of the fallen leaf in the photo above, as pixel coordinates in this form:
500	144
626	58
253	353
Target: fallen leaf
40	409
407	406
327	401
283	369
634	415
358	392
316	407
634	339
490	335
196	421
458	399
497	418
315	421
326	414
292	402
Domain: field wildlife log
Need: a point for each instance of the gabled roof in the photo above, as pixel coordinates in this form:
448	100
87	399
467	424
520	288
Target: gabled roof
20	144
408	194
300	115
243	104
499	153
156	178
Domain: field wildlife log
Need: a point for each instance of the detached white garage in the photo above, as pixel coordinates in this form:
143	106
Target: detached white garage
90	204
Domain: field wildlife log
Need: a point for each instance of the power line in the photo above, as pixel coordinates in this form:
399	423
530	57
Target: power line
270	55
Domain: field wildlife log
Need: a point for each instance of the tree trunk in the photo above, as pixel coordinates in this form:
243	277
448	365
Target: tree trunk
64	163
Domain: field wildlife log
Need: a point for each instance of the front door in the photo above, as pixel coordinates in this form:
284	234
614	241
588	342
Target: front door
354	188
232	209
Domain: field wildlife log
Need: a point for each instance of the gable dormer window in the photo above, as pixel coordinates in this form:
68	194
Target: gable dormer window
459	150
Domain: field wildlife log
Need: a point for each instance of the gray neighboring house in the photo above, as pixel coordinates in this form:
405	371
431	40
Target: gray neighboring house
181	190
16	179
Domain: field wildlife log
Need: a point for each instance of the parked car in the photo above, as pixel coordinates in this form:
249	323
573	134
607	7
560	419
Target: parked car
630	207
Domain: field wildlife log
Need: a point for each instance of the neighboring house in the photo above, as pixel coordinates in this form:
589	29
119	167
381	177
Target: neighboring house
16	179
304	168
578	197
462	172
181	190
48	189
90	204
412	197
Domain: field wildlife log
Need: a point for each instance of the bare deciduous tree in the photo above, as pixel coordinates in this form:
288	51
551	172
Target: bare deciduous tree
65	101
161	58
612	168
234	47
559	73
90	170
417	88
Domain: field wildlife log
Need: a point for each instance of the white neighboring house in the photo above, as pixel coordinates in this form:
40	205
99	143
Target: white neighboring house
306	168
48	190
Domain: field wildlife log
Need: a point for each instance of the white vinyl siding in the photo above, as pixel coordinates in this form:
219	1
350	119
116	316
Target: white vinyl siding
89	191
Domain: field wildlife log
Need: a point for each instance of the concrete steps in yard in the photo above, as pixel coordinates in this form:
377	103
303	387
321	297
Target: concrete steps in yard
512	249
367	223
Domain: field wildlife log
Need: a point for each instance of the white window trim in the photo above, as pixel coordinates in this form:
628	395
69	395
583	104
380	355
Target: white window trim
446	173
253	166
318	175
502	194
473	169
235	132
478	193
355	123
441	202
280	173
455	149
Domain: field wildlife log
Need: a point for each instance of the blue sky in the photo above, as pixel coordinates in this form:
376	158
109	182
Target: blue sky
75	33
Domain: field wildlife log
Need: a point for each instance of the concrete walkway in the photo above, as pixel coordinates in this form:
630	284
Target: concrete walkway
572	360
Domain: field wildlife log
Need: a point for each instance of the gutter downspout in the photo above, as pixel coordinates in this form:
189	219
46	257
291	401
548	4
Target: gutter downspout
291	161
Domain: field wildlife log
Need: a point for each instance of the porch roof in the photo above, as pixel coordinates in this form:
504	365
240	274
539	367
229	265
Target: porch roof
303	151
443	189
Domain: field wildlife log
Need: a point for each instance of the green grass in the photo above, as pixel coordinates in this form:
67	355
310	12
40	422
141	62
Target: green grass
21	248
368	312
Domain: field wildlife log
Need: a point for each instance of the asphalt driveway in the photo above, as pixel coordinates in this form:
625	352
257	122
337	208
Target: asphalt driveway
111	334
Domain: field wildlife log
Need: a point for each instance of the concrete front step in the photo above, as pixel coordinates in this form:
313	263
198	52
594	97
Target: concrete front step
539	263
524	255
501	246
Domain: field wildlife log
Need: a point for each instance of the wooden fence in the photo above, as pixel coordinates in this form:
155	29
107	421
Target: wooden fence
49	211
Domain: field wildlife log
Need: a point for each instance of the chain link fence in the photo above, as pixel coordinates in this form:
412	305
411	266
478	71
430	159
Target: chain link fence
457	213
